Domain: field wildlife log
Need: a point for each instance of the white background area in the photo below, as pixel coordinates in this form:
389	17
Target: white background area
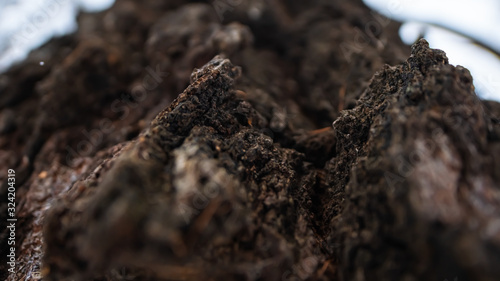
27	24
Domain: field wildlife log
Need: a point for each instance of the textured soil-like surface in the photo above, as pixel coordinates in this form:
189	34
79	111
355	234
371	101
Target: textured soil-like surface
237	140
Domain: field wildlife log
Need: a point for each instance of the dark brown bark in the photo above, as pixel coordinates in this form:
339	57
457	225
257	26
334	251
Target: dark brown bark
242	175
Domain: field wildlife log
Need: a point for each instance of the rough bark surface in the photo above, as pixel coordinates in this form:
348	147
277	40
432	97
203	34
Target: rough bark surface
242	176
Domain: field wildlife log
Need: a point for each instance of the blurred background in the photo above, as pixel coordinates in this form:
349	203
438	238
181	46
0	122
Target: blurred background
466	30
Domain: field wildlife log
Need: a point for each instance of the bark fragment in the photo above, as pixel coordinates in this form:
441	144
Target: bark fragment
422	196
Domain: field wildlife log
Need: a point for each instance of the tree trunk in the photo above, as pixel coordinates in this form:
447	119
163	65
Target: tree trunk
307	143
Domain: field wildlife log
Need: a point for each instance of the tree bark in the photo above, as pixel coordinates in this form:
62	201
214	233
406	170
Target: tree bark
307	143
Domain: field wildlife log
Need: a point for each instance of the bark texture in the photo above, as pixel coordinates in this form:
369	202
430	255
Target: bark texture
242	176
